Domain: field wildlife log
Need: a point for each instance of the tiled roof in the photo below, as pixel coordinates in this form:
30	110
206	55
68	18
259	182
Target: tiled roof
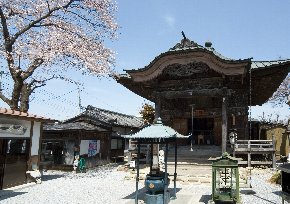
111	117
14	113
186	46
72	126
264	64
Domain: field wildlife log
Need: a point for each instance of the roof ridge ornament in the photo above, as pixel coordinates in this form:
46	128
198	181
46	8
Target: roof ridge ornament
159	121
185	43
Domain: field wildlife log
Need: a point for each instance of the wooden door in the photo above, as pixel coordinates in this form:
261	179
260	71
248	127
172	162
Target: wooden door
2	162
16	154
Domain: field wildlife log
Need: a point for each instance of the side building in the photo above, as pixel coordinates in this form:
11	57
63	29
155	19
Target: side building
94	135
20	137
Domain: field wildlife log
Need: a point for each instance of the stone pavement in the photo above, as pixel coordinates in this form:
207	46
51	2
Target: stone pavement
182	197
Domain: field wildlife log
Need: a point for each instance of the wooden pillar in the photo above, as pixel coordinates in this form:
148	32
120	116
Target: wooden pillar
274	152
224	124
157	108
249	153
137	176
166	176
175	168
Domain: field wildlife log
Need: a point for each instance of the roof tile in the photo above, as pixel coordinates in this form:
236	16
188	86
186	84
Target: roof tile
5	111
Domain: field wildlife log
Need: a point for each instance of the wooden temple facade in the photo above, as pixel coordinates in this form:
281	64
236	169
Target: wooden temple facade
197	90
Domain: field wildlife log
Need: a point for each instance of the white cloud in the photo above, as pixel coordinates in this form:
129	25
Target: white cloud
170	20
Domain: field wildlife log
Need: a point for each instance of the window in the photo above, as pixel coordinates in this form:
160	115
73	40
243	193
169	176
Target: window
116	144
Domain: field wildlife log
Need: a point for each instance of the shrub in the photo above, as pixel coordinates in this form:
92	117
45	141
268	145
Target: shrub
276	178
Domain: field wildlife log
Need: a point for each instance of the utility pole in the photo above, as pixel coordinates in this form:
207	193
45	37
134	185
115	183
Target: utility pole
80	101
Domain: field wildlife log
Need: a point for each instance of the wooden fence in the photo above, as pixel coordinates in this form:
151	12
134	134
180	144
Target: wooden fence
265	148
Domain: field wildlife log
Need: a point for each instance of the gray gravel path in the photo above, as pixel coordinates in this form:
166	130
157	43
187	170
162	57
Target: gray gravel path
263	192
107	185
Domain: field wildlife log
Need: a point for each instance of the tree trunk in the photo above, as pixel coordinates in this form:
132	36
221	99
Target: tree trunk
18	84
24	99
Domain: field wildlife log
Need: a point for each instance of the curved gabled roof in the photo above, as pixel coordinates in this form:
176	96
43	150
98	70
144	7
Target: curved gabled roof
266	76
187	46
187	52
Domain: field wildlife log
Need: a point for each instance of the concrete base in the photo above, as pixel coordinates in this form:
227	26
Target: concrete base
157	199
180	199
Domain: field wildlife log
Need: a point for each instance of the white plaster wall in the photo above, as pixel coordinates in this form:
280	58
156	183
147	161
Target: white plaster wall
25	123
35	138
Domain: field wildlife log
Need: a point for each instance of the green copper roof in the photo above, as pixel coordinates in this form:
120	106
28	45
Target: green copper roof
225	156
156	131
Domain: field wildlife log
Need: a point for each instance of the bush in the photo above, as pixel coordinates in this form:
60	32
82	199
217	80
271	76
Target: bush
276	178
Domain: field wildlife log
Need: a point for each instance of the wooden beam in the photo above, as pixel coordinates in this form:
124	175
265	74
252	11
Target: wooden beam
189	93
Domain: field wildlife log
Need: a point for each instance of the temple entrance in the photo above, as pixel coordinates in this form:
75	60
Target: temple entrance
202	129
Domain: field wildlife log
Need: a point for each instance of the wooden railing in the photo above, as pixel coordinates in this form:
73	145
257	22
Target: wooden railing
256	147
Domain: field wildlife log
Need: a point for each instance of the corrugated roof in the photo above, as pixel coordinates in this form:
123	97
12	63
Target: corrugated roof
14	113
111	117
264	64
72	126
155	131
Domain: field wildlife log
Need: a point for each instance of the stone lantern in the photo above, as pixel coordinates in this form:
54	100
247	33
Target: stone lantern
157	181
225	179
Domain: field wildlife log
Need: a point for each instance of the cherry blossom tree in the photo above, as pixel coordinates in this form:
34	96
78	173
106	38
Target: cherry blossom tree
40	40
282	95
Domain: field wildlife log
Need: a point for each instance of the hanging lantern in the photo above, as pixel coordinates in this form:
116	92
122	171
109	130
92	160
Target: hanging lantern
225	178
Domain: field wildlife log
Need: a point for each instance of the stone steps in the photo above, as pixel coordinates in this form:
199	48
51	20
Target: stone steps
199	155
192	166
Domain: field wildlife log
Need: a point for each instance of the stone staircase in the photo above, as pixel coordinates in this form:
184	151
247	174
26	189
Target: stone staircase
198	156
192	166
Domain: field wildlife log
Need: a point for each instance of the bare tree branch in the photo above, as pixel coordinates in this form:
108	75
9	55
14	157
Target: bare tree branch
35	64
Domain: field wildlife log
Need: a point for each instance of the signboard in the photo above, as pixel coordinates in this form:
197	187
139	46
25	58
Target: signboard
90	147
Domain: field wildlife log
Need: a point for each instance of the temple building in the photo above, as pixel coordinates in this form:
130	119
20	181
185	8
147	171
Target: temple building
198	91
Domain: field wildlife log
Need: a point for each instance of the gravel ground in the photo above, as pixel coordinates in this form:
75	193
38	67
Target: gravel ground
102	185
263	192
107	185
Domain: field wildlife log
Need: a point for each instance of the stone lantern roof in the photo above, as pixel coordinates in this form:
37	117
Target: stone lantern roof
156	131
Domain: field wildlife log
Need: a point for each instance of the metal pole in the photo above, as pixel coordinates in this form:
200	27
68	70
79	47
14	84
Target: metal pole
165	176
191	127
151	157
137	176
175	167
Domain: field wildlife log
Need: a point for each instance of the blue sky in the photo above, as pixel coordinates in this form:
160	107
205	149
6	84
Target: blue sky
238	29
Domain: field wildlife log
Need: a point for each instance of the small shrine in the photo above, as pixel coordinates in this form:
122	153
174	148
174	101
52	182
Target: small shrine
157	181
